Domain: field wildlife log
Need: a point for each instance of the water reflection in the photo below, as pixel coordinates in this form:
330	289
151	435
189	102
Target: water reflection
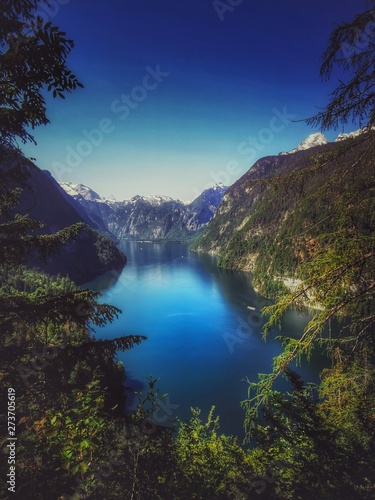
203	341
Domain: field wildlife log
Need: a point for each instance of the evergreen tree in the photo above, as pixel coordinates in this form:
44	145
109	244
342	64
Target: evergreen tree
32	57
338	272
47	350
351	49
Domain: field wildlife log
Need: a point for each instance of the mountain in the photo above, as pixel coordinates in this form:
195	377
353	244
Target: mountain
91	254
318	139
268	222
144	218
80	192
203	208
350	135
89	203
313	140
149	217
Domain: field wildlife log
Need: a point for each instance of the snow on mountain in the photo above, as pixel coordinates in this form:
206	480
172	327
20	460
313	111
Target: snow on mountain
149	217
201	210
313	140
155	200
351	135
110	199
80	191
317	139
219	187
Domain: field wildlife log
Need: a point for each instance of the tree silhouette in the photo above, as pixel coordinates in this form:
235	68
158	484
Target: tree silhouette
32	58
351	48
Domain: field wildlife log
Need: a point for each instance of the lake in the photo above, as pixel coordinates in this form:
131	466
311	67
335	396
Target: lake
203	340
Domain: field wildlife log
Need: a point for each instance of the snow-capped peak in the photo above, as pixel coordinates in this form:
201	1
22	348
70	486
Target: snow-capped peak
152	200
110	199
317	139
351	135
219	185
313	140
80	190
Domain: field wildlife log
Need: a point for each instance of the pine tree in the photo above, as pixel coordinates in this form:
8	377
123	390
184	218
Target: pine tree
47	347
351	49
338	280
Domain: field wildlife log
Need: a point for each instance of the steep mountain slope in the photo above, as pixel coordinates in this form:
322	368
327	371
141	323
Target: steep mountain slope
203	208
90	203
269	219
149	217
83	259
144	218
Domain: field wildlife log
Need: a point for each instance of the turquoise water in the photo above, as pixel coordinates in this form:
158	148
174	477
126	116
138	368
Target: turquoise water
203	340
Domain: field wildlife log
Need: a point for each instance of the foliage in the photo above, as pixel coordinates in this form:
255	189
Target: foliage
47	350
74	438
350	48
213	465
332	232
105	249
337	261
316	458
32	57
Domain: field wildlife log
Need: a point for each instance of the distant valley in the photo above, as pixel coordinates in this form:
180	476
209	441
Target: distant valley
252	225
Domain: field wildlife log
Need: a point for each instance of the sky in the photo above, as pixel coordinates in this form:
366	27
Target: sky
180	95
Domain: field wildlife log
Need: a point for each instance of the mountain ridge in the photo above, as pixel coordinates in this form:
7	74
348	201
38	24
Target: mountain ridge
269	220
156	217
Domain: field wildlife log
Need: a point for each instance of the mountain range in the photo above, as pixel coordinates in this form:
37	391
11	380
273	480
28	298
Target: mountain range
148	217
254	225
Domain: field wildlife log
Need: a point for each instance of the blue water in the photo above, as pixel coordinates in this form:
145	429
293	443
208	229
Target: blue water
202	340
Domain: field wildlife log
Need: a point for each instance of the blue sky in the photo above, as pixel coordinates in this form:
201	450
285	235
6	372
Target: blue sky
182	94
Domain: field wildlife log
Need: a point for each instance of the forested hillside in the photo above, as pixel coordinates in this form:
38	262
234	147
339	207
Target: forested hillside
274	218
90	254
